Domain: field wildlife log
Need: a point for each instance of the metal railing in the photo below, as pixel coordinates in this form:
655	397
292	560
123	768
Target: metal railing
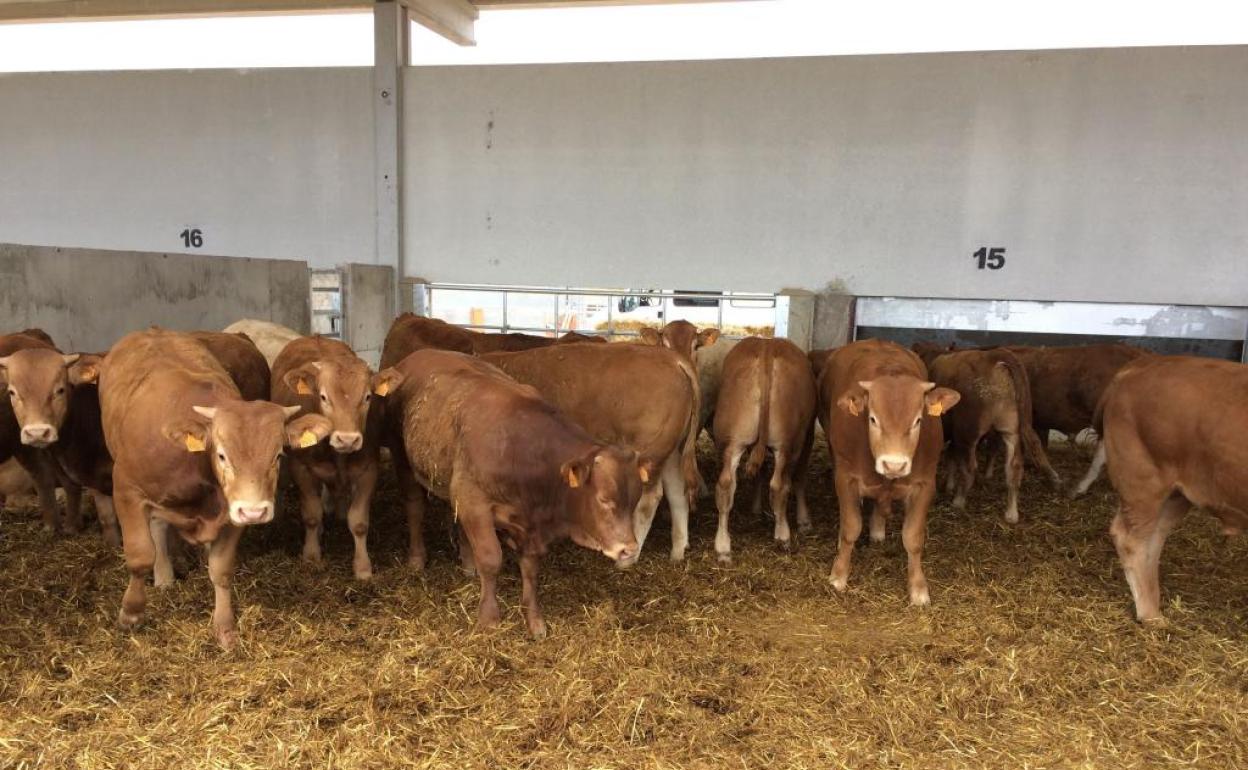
327	305
426	304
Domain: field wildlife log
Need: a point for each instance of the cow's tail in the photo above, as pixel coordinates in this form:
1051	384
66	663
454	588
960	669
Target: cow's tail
759	452
1033	450
689	450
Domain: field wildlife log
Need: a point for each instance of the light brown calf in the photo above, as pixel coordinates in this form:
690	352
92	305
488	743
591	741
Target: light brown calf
996	400
268	337
325	377
189	451
766	401
882	419
1173	429
680	336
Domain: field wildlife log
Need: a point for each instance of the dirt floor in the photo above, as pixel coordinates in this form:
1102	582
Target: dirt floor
1027	658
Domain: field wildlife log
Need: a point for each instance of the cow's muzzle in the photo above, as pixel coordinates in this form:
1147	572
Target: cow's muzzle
624	556
344	442
247	513
39	434
892	466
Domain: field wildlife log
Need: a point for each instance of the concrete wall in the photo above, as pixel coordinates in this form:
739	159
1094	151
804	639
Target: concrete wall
1113	175
368	297
88	298
266	163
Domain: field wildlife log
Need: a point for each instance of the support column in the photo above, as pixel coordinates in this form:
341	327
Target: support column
391	53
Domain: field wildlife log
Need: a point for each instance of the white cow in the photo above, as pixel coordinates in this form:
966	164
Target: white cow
267	336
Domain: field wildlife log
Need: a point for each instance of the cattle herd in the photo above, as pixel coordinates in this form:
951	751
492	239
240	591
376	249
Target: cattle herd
532	439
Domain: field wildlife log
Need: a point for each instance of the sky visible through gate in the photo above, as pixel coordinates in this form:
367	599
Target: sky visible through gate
697	31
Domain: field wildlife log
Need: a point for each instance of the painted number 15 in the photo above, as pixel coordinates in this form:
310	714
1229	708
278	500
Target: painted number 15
993	259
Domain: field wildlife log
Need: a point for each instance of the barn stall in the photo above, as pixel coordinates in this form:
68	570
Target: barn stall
972	197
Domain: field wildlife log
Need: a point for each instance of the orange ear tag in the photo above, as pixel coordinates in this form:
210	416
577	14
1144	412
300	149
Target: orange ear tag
194	443
572	480
644	474
307	439
936	409
301	387
383	388
88	374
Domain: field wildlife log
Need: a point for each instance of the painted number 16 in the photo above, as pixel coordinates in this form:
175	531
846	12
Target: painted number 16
993	259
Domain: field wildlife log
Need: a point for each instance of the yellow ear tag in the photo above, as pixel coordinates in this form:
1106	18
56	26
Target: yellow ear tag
936	409
572	480
88	374
301	387
644	474
307	439
194	443
383	388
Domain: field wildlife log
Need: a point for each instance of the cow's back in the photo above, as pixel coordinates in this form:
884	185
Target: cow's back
410	332
241	359
709	362
1068	382
270	338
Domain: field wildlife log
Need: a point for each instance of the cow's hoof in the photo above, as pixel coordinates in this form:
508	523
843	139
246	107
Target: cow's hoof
112	539
227	638
162	581
1011	517
678	555
839	583
537	630
724	558
919	597
786	546
416	563
805	527
364	576
1155	623
129	620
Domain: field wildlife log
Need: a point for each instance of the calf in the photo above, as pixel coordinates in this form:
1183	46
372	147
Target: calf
708	360
767	401
410	332
882	419
1173	430
23	440
639	397
189	451
325	377
56	402
507	460
680	336
996	400
268	337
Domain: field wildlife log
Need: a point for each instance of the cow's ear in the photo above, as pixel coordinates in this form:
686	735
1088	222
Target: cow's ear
854	401
306	431
707	337
940	400
386	381
4	371
85	370
302	380
575	473
190	435
650	336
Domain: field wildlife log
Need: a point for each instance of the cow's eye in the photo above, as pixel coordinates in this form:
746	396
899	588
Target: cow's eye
368	397
60	391
917	420
12	393
324	398
874	421
221	456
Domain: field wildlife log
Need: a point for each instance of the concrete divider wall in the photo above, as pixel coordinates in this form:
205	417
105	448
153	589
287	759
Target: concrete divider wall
88	298
368	302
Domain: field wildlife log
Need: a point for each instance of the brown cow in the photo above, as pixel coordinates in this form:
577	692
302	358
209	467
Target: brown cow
56	402
189	451
573	337
507	460
324	376
241	359
996	400
410	332
23	442
817	359
1173	429
881	416
680	336
640	397
767	401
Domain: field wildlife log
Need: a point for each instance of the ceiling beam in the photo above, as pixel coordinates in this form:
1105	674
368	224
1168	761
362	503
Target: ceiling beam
454	20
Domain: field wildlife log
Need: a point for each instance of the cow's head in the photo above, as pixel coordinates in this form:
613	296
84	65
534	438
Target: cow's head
341	389
606	485
39	383
244	442
895	407
680	336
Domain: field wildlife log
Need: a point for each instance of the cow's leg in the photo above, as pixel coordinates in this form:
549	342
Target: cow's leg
952	469
1013	475
311	509
108	518
466	562
160	539
415	501
993	449
45	485
643	514
881	510
140	552
781	485
799	481
968	459
851	527
725	493
677	504
529	563
357	519
1094	472
1139	532
487	555
756	503
913	536
221	557
73	506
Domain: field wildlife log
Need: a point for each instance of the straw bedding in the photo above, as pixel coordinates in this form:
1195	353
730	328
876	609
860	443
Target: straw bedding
1028	656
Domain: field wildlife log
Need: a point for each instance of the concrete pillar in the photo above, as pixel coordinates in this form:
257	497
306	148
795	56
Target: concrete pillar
391	53
368	297
833	321
795	316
